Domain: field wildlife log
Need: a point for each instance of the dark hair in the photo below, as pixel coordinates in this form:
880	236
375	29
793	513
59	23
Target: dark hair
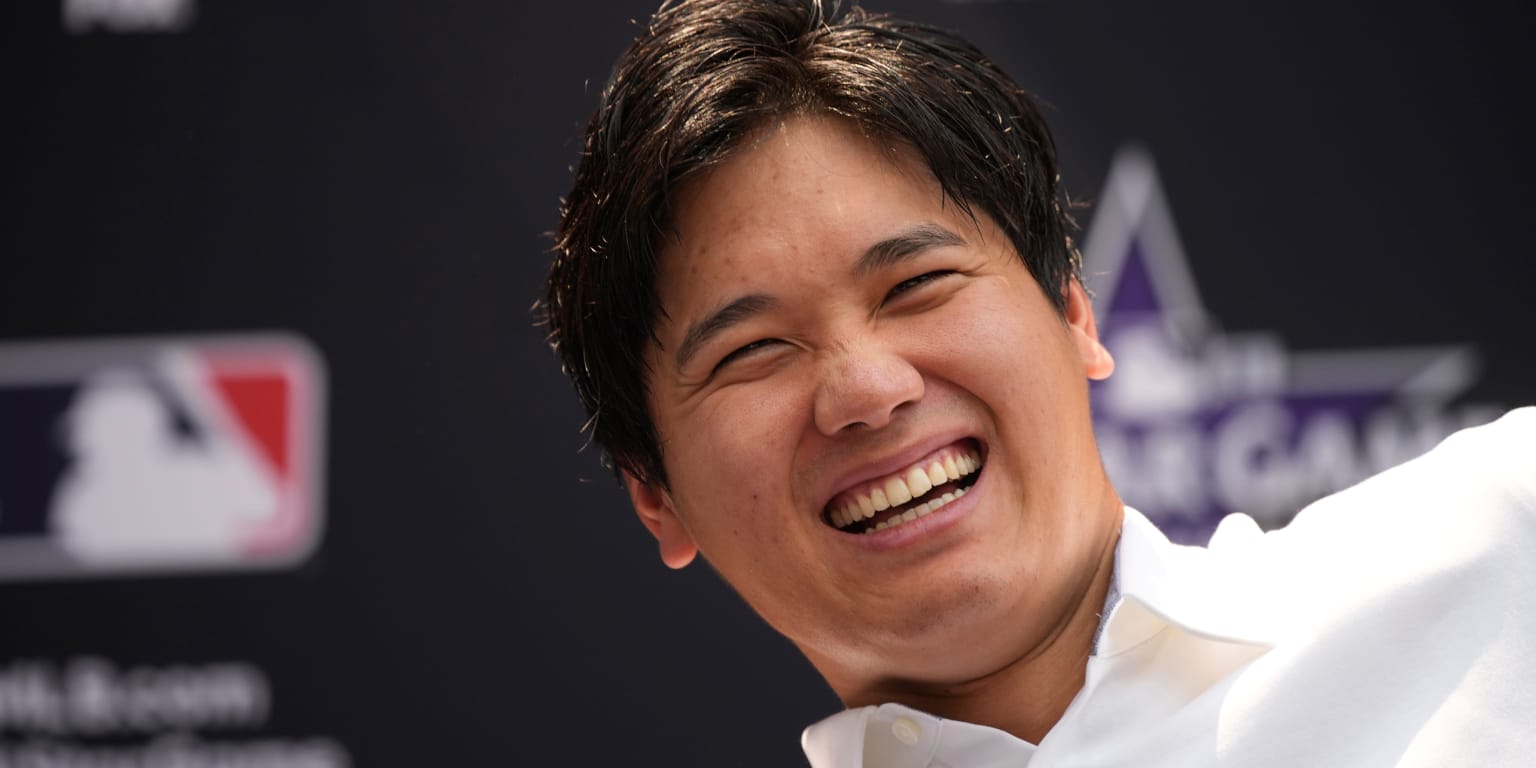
702	76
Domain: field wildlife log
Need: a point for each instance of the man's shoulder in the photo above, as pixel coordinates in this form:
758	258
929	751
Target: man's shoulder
1479	474
1463	513
1425	567
1500	455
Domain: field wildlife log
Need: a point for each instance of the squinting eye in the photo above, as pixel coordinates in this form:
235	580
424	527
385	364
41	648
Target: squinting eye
909	284
743	351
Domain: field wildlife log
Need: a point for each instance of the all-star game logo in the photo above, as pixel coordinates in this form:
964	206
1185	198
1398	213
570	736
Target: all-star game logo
158	455
1196	423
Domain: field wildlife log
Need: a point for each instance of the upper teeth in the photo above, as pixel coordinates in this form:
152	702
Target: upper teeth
902	487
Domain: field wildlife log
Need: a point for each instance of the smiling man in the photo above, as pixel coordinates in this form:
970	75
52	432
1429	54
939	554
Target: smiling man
838	384
816	288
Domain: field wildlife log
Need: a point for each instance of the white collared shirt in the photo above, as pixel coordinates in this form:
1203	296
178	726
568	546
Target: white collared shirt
1392	624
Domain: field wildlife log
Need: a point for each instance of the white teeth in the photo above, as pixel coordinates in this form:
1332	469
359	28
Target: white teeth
900	489
937	475
878	499
914	513
918	482
866	507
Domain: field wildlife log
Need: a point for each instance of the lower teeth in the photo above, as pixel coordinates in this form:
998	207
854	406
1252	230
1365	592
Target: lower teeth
916	512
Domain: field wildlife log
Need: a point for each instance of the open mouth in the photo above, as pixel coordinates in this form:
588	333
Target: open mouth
908	494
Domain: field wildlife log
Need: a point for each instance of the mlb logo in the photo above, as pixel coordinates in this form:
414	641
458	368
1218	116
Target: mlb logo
159	455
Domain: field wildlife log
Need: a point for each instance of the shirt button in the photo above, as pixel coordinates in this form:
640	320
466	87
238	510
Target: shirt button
906	731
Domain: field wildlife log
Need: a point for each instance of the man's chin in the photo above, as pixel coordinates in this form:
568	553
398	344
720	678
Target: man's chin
939	638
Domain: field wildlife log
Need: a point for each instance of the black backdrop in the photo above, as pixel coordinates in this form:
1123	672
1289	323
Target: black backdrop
379	177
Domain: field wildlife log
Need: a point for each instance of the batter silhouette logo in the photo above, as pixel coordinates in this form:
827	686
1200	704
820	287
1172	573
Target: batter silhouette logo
161	455
1197	423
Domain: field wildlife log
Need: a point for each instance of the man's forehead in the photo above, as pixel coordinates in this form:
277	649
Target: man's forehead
801	173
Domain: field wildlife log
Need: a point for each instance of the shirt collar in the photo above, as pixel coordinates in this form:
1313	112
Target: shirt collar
1162	584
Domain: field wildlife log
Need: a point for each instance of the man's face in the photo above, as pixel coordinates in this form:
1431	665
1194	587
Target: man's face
832	326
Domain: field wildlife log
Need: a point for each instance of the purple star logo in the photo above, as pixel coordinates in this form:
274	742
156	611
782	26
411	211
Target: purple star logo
1197	423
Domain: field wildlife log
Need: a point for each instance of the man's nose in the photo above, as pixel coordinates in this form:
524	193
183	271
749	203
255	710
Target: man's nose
864	385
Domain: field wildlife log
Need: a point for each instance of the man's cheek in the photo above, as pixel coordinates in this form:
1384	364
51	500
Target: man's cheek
745	465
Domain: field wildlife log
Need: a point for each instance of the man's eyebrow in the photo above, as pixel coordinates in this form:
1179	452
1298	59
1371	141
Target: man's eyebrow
904	246
887	252
726	316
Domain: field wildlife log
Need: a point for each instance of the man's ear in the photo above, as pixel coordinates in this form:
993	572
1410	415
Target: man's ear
1085	332
654	506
